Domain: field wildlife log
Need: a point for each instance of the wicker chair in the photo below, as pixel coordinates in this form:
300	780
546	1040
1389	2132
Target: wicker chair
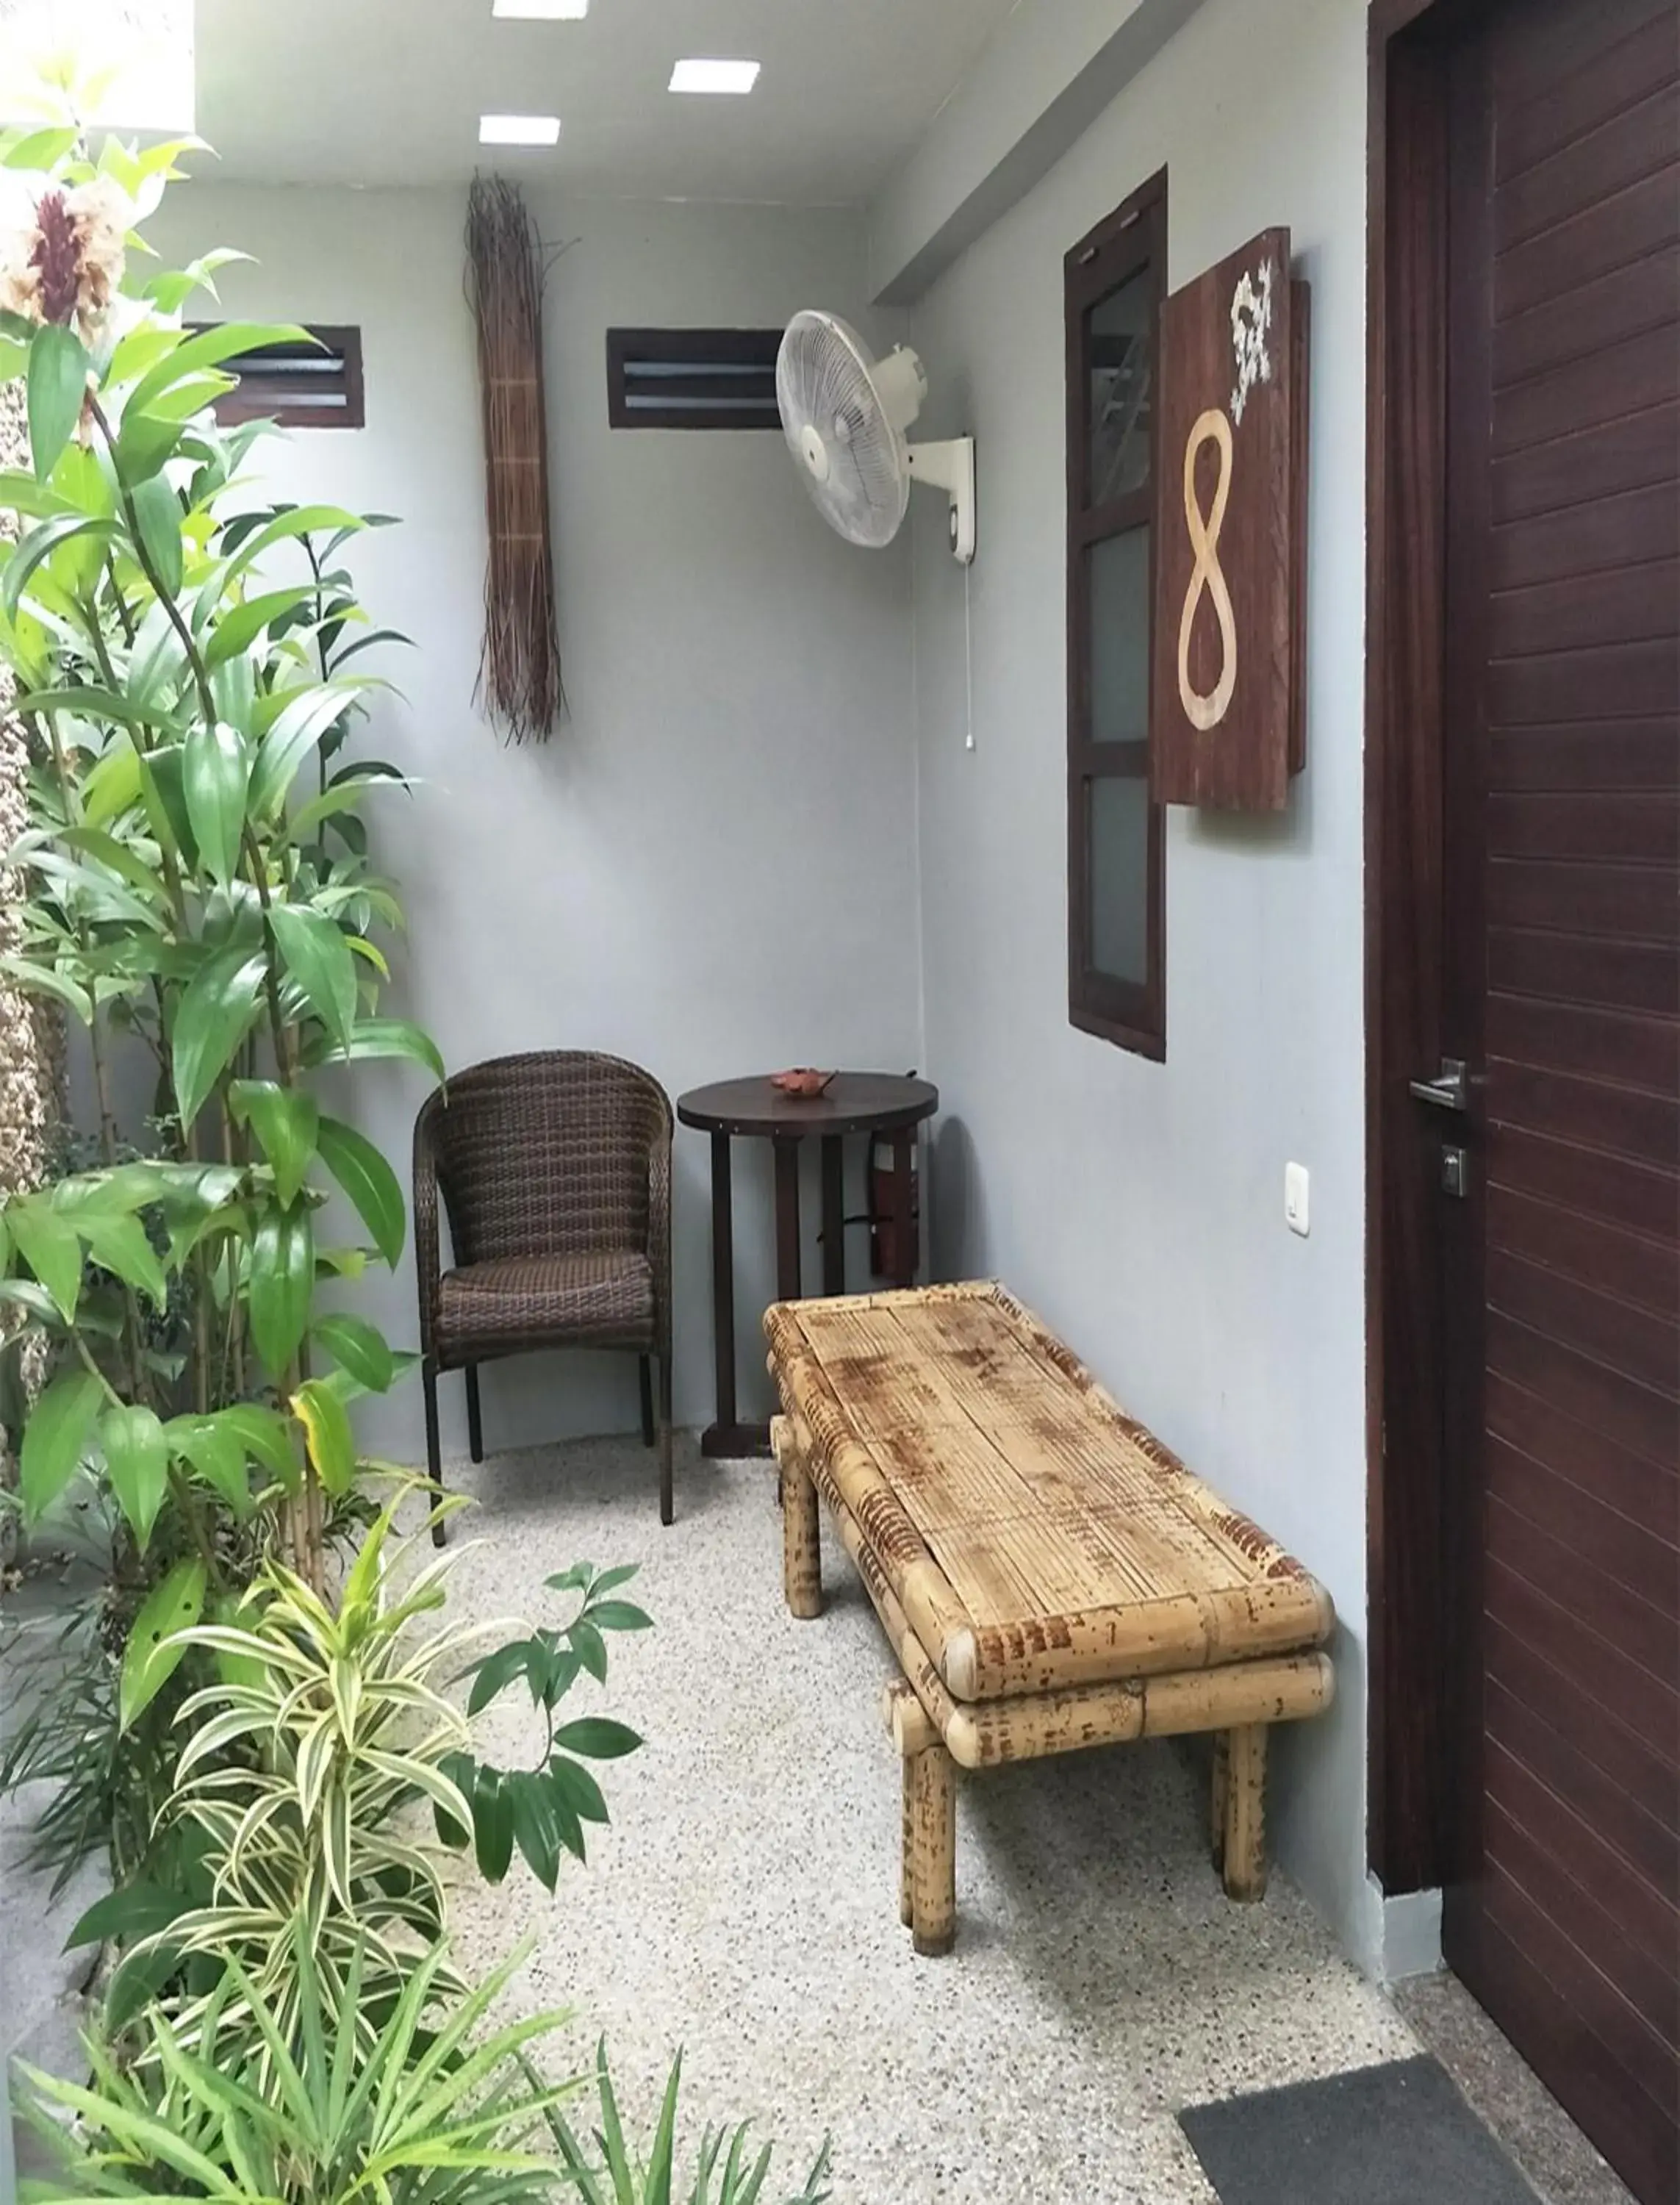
555	1172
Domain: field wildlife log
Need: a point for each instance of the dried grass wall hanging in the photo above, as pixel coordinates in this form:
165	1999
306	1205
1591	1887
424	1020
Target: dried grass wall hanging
518	669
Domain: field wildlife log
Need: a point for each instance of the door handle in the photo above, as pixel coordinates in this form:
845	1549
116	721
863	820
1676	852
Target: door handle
1450	1091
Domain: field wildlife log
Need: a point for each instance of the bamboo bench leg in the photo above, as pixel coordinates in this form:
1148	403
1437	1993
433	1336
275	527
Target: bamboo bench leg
1221	1793
913	1732
907	1846
934	1850
801	1541
1245	1850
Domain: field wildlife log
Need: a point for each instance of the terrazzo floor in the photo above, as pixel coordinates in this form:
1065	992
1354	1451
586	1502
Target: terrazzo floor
743	1905
743	1902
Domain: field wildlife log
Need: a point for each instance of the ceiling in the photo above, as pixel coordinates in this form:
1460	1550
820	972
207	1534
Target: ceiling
389	91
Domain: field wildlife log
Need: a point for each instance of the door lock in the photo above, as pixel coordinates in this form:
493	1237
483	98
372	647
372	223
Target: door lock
1450	1091
1454	1171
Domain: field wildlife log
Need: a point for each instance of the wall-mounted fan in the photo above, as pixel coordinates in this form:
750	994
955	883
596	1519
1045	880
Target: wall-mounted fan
844	417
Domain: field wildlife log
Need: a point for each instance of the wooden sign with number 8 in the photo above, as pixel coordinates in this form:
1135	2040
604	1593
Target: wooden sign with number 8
1227	716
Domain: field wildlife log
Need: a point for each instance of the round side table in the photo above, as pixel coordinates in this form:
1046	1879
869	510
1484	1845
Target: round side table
852	1103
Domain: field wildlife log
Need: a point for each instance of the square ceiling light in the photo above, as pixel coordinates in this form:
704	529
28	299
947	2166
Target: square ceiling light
540	11
714	76
519	130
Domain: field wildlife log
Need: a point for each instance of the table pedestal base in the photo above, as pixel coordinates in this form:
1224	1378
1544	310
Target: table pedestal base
735	1442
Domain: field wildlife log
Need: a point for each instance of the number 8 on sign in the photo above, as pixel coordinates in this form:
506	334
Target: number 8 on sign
1207	576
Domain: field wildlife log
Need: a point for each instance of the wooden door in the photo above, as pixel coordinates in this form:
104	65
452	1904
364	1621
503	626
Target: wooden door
1560	994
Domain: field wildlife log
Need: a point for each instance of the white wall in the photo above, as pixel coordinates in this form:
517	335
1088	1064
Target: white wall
710	867
1140	1206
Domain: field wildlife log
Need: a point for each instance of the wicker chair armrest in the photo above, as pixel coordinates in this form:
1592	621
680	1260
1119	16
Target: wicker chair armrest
427	1266
659	1230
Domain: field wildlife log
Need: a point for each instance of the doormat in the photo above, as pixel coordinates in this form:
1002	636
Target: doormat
1400	2134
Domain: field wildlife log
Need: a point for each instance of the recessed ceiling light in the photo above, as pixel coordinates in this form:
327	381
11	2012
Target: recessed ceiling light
714	76
541	11
519	130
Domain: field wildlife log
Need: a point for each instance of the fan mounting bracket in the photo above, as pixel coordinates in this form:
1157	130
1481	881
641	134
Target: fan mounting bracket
948	463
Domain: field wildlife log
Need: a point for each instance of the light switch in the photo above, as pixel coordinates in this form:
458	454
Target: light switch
1294	1199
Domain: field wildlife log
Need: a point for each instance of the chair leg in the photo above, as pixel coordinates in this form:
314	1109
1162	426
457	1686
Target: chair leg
434	1448
475	1422
667	1506
644	1367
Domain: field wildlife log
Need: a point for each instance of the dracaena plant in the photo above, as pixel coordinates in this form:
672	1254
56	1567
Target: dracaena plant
198	890
307	1764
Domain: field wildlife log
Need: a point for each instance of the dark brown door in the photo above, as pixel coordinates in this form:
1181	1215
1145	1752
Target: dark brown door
1561	938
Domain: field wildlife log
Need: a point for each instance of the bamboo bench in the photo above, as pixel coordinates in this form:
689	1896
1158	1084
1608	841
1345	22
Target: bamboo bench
1049	1577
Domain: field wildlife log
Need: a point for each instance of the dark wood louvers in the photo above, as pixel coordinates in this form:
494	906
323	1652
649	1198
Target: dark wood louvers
692	378
315	382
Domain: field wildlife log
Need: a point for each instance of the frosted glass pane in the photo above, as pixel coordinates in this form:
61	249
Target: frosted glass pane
1117	347
1118	811
1120	587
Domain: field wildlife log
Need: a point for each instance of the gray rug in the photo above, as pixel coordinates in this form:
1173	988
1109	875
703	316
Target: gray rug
1400	2134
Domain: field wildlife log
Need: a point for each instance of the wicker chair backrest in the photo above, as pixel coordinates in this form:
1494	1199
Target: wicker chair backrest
547	1154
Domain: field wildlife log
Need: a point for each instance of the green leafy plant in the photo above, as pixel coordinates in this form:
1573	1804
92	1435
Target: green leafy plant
109	1777
615	2177
542	1809
305	2107
324	1724
293	1796
108	1784
188	676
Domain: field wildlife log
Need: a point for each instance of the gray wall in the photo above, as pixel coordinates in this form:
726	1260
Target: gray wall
711	867
728	857
1140	1206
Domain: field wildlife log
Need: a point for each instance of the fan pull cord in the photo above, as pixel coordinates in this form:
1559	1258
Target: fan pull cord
968	652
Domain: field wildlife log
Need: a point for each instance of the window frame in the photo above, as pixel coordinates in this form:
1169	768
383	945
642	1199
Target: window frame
1130	1014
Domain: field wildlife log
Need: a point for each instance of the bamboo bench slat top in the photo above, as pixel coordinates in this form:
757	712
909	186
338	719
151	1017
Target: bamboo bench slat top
1036	1535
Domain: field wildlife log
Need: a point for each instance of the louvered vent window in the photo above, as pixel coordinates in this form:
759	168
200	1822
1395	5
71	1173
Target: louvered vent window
301	386
692	378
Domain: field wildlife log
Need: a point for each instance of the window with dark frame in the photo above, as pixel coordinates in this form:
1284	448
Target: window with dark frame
1113	282
316	384
692	378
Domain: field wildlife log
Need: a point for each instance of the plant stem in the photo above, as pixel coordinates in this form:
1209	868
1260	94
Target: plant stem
200	1304
96	635
90	1362
181	1489
120	601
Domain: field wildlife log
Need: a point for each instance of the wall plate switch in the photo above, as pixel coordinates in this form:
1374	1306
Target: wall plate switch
1295	1189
